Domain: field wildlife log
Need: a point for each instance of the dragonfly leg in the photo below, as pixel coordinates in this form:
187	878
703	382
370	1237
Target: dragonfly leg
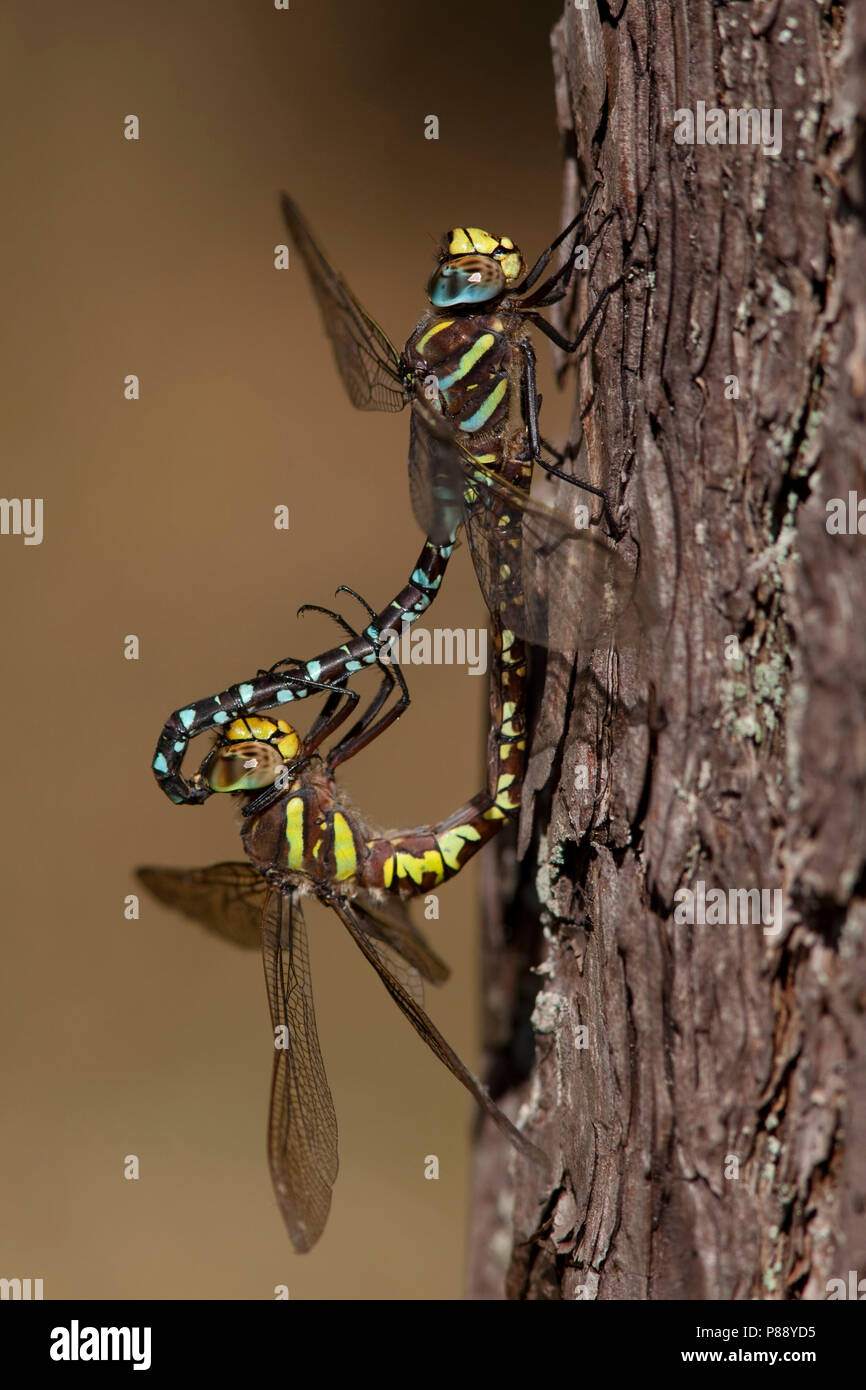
571	345
557	286
544	259
531	408
337	708
370	726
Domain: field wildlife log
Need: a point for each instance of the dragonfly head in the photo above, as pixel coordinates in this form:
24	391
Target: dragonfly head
474	268
250	755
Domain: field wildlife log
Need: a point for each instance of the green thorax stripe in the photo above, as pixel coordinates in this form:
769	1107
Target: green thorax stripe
483	343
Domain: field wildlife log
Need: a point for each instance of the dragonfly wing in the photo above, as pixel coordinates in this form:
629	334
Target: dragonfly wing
546	580
435	472
367	359
390	921
302	1128
549	582
389	961
228	899
358	928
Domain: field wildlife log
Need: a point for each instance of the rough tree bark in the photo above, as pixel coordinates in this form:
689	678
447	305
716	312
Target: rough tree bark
709	1131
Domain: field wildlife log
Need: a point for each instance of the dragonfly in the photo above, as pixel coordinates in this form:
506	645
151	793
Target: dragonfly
467	373
302	839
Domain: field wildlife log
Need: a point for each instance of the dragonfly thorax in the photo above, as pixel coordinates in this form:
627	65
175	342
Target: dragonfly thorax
251	754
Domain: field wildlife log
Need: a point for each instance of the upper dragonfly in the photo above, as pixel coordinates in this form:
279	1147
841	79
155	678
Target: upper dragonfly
468	374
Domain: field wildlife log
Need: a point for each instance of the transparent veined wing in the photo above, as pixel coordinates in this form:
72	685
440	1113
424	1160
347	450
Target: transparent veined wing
353	918
302	1126
547	581
227	899
368	362
551	583
436	471
389	922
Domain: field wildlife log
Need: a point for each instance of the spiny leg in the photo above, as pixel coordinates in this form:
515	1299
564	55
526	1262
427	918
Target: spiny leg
571	345
544	259
369	726
328	720
556	287
321	728
337	708
531	408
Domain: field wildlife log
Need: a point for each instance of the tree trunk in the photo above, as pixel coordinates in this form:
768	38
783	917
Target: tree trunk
700	1086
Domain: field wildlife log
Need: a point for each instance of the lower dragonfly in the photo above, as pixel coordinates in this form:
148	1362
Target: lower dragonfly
301	838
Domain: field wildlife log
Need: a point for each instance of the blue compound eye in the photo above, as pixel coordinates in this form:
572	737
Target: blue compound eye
466	280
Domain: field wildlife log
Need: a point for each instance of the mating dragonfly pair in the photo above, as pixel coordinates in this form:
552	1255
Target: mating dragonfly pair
468	375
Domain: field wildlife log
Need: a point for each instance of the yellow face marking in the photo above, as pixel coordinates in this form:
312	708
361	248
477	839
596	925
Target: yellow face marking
482	241
259	729
345	858
263	731
437	328
295	832
289	746
511	265
458	242
462	241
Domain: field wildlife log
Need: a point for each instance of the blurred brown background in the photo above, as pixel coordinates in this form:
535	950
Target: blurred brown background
156	257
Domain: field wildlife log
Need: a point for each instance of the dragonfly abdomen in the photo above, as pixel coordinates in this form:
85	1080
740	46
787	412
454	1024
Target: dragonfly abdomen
411	862
417	861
